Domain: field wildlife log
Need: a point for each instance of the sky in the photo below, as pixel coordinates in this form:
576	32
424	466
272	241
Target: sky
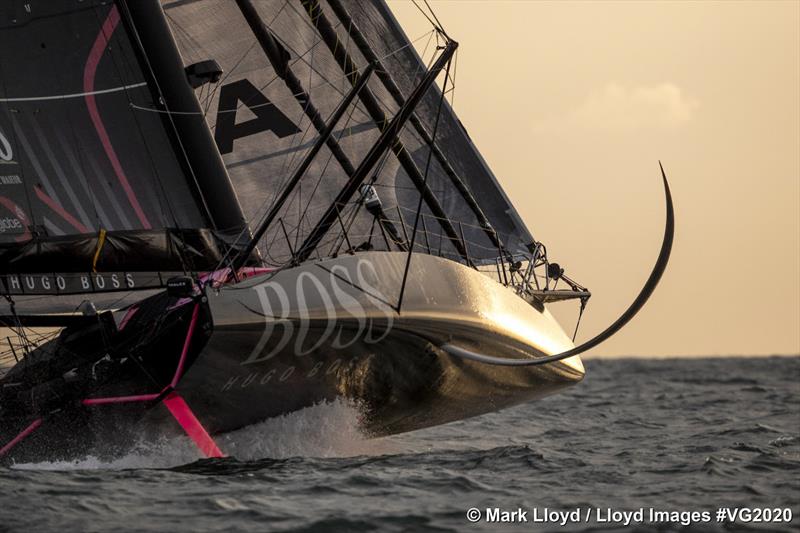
572	104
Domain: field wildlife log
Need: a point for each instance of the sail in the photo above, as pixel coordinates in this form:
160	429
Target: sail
390	44
88	182
263	126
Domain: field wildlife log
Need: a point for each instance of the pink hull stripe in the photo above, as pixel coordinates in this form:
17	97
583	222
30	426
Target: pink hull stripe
74	222
120	399
192	426
89	72
23	434
186	343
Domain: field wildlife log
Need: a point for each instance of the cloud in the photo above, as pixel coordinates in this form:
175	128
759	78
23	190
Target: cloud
617	107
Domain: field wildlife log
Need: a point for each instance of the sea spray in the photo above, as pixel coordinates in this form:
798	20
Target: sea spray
329	429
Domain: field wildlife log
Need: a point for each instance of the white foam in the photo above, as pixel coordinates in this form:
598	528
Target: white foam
324	430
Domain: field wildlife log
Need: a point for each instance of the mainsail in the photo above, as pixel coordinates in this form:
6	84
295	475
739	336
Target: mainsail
88	183
262	113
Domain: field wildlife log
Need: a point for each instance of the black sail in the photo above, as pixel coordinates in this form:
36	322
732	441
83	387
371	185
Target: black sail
91	176
263	130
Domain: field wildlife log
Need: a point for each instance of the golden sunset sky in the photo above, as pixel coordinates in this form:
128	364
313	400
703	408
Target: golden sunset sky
573	104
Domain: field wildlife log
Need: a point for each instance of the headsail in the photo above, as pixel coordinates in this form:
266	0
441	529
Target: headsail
263	129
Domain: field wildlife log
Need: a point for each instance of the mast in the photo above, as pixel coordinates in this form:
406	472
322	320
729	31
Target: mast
388	137
151	32
391	86
373	107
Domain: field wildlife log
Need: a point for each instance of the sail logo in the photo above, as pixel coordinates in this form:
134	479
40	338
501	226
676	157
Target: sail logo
6	153
71	283
8	223
267	116
323	303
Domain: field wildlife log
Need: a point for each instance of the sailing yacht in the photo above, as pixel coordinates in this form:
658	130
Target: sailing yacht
217	212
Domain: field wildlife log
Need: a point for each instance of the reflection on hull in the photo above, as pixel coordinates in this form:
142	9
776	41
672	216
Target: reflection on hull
325	330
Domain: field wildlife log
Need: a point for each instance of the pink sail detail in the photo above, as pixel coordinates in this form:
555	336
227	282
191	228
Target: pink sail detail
89	72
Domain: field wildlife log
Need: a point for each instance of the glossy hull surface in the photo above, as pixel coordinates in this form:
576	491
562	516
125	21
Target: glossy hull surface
290	339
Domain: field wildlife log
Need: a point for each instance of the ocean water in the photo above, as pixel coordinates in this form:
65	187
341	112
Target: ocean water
673	436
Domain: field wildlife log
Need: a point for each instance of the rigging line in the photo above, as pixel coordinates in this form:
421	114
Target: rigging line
426	15
380	98
314	31
341	233
455	77
73	95
265	207
163	197
311	71
304	99
345	62
439	24
285	98
292	154
350	217
327	163
300	57
261	88
466	224
419	131
195	43
346	48
404	188
151	159
425	182
267	204
580	314
138	41
226	75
